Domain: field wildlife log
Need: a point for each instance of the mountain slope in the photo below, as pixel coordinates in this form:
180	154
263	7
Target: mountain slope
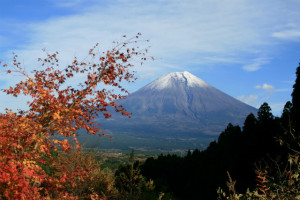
180	102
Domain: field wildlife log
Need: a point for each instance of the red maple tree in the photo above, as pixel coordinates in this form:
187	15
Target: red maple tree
27	145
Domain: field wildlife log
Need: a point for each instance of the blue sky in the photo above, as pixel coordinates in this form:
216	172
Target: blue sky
249	49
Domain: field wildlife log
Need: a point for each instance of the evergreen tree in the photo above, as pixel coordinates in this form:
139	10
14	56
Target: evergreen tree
264	113
250	138
250	124
278	178
189	154
230	135
265	140
286	120
131	184
288	138
296	102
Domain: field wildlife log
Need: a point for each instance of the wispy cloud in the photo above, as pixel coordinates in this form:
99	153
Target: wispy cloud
257	100
250	100
252	67
147	75
266	87
211	31
288	82
256	64
291	34
283	90
182	33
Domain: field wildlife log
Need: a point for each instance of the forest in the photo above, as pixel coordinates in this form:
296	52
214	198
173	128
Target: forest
257	161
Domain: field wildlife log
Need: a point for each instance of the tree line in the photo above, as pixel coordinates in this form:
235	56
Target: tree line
266	147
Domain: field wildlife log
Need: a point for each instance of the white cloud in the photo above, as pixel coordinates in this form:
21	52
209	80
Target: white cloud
181	33
250	100
252	67
291	34
266	87
218	30
256	64
256	101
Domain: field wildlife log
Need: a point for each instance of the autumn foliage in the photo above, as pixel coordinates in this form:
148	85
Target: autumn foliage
30	153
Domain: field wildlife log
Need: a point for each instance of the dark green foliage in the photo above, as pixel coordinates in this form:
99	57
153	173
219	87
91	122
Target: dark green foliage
277	177
265	149
296	102
131	184
200	173
288	126
250	125
264	113
230	136
286	120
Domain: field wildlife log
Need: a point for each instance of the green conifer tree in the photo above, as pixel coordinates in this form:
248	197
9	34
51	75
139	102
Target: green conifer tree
250	125
264	113
296	102
286	120
131	184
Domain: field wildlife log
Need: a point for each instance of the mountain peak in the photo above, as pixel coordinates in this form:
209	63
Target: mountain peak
177	107
175	78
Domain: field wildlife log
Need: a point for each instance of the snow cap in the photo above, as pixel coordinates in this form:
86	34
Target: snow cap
168	80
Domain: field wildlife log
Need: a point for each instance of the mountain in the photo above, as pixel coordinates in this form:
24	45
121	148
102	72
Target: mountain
178	106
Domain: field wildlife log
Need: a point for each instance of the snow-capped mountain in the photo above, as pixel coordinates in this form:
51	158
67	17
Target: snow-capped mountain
176	104
169	80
